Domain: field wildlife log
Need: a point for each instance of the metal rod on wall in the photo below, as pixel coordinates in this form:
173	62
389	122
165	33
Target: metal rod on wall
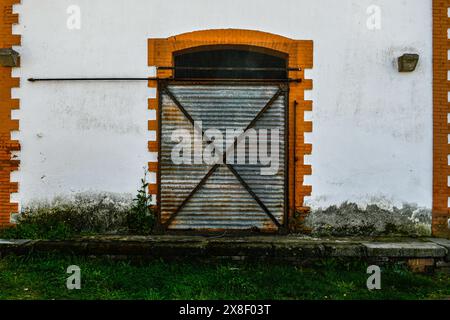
166	79
91	79
228	69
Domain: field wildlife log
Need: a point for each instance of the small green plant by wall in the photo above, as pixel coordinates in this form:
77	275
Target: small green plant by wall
141	218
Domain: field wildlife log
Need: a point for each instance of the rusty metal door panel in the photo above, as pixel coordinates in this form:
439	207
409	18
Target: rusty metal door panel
271	188
223	201
177	181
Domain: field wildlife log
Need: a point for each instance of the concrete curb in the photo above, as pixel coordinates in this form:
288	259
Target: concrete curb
263	247
405	250
443	243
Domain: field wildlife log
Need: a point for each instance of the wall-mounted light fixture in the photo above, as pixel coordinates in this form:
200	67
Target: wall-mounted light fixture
408	62
9	58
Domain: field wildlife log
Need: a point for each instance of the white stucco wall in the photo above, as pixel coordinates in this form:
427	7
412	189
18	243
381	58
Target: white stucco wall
372	140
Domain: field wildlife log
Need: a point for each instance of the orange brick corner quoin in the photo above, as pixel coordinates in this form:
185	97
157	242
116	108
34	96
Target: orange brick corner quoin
7	125
441	128
300	55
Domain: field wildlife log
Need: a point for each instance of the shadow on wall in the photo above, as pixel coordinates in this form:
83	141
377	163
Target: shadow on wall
350	220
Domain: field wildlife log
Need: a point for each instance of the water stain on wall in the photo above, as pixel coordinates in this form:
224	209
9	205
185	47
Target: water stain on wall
349	219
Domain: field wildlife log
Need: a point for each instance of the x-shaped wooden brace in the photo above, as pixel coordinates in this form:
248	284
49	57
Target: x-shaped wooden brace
216	166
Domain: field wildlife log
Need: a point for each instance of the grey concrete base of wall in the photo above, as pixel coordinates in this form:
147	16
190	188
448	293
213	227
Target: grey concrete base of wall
421	254
349	219
105	212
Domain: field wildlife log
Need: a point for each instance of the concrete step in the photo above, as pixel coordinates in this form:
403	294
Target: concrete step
252	247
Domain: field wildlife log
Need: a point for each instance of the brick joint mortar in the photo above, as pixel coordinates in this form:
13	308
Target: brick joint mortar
7	125
441	129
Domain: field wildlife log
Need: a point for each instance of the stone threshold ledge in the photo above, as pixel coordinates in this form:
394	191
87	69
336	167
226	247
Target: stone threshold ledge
288	248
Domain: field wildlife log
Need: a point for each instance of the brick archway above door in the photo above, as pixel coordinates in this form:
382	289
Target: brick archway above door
300	56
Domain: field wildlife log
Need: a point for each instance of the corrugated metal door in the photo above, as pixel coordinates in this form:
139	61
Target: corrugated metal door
199	196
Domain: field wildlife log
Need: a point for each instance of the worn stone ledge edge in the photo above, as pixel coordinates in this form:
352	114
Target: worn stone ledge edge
160	246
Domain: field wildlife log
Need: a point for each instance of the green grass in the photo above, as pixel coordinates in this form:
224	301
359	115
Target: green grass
44	277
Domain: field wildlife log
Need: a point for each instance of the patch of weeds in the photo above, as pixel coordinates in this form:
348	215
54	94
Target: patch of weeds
46	224
141	218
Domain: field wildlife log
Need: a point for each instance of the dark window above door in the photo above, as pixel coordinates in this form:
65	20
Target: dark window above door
230	63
